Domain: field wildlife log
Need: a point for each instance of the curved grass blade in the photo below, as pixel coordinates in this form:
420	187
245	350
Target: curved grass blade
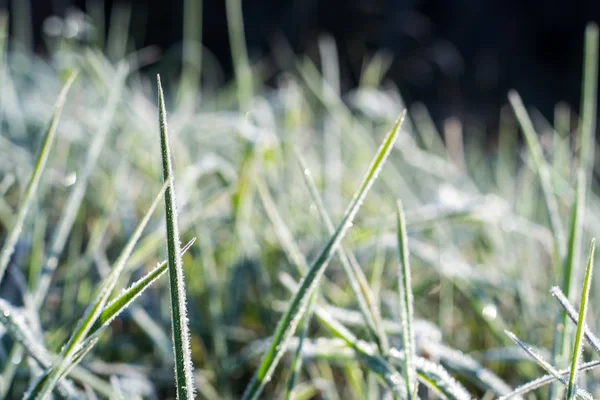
123	300
547	379
582	394
406	304
577	348
297	307
573	315
93	310
184	374
34	180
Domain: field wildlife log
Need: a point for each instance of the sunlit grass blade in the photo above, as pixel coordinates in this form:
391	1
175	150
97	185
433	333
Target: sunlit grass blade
184	373
124	299
406	304
95	308
543	171
297	307
358	282
34	180
547	366
577	348
573	315
547	379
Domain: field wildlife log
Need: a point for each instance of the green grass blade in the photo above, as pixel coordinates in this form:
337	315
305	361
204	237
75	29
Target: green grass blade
358	281
34	180
573	256
577	348
67	356
184	373
406	304
123	300
543	172
589	91
290	320
547	366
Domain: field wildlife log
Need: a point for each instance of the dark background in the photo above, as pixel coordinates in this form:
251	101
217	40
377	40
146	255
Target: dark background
459	57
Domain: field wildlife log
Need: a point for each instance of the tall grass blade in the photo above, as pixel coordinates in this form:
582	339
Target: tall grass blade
184	373
577	348
40	164
358	281
239	53
589	89
572	259
297	307
406	304
543	172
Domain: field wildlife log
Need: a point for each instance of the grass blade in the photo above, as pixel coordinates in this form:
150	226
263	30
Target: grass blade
573	254
358	282
588	100
34	180
290	320
543	172
123	300
184	373
581	323
406	305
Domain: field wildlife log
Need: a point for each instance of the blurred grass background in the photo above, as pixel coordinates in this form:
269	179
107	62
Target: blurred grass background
483	249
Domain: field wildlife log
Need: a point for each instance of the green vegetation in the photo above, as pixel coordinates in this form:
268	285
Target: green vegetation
413	290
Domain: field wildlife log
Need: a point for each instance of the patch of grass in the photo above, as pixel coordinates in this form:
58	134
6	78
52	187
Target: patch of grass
248	314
